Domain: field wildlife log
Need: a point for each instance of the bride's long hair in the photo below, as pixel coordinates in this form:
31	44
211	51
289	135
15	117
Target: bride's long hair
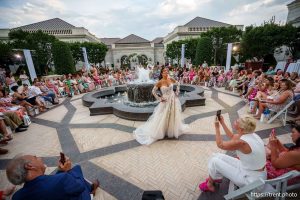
161	72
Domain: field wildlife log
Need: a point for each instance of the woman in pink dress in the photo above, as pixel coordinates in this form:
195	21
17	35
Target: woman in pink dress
185	76
221	79
229	75
50	84
206	74
89	81
280	159
95	75
191	75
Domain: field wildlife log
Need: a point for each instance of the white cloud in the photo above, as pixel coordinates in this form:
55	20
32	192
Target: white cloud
149	19
257	12
169	8
254	7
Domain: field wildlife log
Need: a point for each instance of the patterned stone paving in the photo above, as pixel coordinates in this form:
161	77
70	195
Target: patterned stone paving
88	139
105	148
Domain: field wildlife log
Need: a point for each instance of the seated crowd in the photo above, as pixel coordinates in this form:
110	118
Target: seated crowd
263	91
254	159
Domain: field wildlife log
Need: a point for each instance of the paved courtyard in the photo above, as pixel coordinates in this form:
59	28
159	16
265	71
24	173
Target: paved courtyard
104	147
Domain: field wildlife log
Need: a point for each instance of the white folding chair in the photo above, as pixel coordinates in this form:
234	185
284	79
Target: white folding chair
282	113
262	188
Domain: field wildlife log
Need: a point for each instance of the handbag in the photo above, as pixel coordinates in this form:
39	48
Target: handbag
26	120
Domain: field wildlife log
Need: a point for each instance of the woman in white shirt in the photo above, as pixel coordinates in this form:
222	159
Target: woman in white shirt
249	147
24	78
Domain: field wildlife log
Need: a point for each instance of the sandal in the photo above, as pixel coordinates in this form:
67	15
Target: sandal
7	138
204	188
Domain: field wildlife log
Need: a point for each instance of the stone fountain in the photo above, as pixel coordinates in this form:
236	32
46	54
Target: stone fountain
139	91
135	101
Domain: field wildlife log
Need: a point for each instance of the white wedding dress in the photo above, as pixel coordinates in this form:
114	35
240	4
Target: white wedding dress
165	121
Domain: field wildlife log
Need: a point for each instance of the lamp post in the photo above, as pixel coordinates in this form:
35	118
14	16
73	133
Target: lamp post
217	43
235	50
50	56
19	58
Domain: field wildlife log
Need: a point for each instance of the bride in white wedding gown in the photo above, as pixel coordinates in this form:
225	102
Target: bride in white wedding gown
166	119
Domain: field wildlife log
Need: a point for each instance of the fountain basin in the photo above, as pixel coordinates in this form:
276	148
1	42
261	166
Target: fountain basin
98	105
140	92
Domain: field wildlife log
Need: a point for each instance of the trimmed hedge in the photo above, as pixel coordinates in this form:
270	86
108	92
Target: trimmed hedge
62	57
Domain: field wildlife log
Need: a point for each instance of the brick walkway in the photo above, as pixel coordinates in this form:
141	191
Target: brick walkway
104	147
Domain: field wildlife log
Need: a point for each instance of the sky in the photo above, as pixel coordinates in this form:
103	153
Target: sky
146	18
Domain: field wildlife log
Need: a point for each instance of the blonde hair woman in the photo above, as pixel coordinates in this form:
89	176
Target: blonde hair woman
249	147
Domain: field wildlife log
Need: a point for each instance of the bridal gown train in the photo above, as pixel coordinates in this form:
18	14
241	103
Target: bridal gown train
165	121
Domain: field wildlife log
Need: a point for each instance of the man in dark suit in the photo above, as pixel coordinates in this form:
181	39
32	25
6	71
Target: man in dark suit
67	183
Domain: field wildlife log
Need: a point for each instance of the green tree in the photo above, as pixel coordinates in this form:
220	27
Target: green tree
62	57
190	48
39	42
228	35
75	48
96	51
18	38
204	51
262	40
174	50
292	40
5	52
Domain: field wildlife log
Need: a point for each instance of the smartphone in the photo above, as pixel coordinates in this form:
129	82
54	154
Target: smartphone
62	158
218	114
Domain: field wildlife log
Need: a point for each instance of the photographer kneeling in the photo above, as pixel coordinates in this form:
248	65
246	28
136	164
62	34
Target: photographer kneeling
249	147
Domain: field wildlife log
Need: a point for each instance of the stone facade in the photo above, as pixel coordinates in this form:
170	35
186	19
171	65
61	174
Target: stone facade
78	35
194	28
59	28
294	13
115	54
131	48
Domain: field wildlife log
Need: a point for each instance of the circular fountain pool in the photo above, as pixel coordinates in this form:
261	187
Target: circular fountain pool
115	100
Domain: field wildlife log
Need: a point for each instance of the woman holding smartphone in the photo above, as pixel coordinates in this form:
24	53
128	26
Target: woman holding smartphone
249	147
281	159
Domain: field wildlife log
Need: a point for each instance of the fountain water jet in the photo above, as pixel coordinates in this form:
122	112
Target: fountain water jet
140	90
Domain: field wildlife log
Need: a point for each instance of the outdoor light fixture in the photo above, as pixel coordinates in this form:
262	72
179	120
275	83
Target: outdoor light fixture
235	48
217	43
18	56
